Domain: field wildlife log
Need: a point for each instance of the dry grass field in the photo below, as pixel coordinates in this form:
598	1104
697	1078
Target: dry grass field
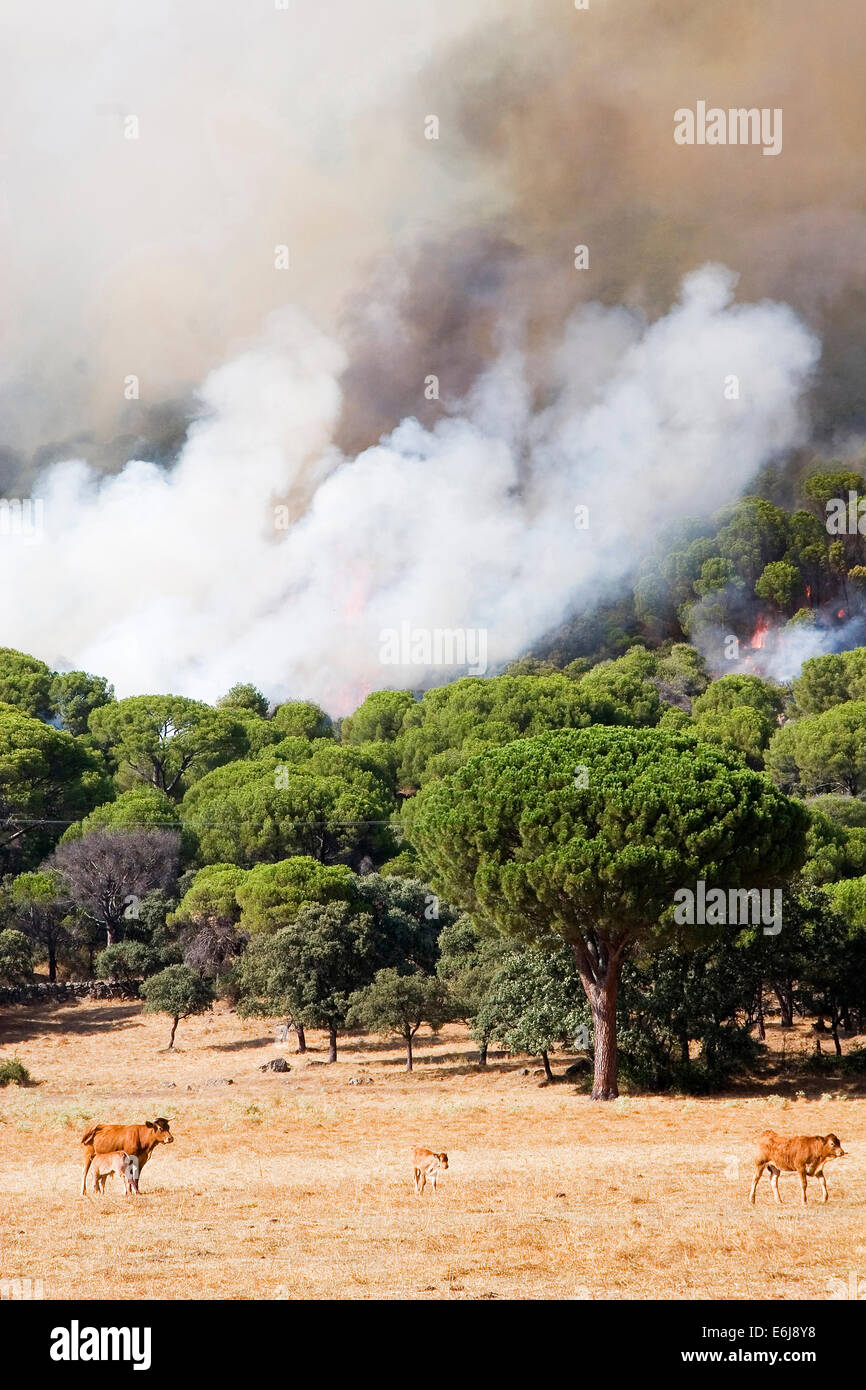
299	1185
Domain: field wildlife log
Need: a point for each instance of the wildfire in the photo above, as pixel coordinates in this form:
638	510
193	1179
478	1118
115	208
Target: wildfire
841	613
759	636
808	590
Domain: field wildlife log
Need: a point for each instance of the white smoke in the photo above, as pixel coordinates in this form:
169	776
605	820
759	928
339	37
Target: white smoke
179	581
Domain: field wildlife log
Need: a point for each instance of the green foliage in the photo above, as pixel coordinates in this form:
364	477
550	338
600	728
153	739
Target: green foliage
309	969
682	671
25	683
271	895
178	992
46	778
716	573
534	1003
589	834
301	719
779	583
14	1073
379	719
674	999
141	806
821	752
403	865
454	722
212	896
848	897
833	850
849	811
166	740
299	797
468	963
74	695
244	697
16	958
820	487
398	1004
516	836
833	679
738	691
126	960
743	730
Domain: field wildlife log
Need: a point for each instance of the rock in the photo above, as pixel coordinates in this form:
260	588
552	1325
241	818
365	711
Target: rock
275	1064
219	1081
360	1080
579	1068
524	1071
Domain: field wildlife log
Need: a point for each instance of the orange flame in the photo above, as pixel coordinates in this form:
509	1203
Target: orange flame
841	613
759	636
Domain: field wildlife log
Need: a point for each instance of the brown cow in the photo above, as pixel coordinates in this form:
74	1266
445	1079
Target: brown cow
803	1154
426	1164
138	1141
125	1165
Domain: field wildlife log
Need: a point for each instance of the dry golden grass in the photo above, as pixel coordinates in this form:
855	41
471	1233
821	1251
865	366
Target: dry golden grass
300	1185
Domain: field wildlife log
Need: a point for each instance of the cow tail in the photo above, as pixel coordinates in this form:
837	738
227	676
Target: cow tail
89	1136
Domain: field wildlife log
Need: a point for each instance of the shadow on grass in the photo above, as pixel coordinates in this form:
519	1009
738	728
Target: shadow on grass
243	1044
18	1022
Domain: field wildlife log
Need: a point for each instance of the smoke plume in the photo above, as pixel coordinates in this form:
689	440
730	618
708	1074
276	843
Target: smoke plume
494	520
255	128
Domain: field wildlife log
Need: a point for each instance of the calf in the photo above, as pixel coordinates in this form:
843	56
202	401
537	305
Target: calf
804	1154
125	1165
426	1164
139	1141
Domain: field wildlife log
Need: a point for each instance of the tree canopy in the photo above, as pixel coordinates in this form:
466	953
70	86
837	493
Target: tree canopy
589	833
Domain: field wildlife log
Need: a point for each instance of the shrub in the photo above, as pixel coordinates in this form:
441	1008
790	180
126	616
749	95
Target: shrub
14	1073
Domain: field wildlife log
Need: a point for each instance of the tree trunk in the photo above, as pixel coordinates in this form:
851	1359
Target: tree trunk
786	1004
482	1053
302	1037
599	964
332	1044
52	963
546	1062
110	934
173	1031
408	1051
759	1012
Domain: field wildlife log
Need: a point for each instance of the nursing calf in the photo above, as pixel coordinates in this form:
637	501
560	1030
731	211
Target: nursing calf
126	1166
139	1141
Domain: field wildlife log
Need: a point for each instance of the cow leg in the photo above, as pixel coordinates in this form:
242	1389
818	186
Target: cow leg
759	1173
434	1175
88	1159
774	1183
826	1195
802	1173
421	1182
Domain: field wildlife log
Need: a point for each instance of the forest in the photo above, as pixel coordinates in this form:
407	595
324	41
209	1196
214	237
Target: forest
502	850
